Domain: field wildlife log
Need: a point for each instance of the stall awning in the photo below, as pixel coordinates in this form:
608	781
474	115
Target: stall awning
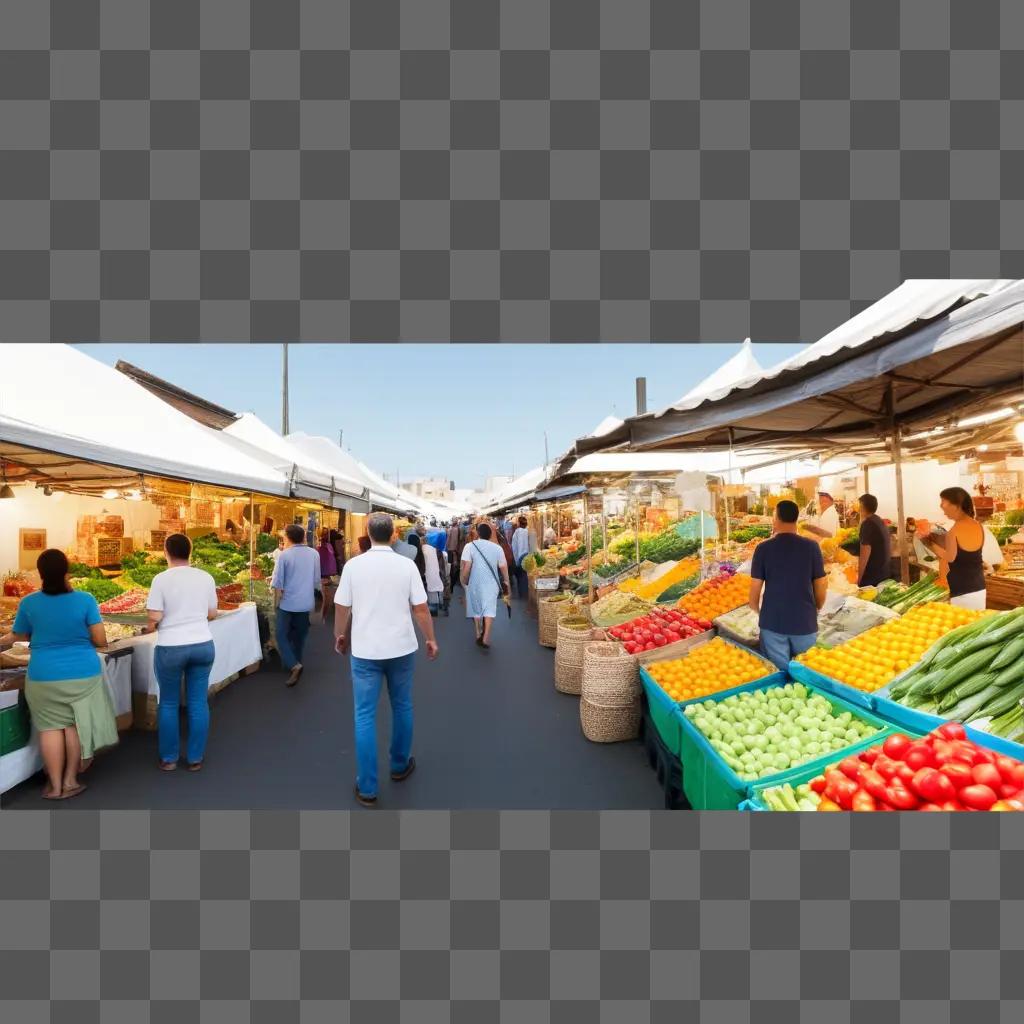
559	493
941	351
309	478
55	398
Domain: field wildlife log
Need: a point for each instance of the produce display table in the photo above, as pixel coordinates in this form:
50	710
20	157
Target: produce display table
236	637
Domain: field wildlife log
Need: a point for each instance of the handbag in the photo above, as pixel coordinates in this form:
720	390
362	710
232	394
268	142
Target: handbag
502	589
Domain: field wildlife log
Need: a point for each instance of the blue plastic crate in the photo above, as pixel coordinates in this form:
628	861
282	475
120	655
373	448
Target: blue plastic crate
923	722
710	784
663	713
809	677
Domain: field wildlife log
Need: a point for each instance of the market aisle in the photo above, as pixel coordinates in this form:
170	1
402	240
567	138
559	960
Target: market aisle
491	732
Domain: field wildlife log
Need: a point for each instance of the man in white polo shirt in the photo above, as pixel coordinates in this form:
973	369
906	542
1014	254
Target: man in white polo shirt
826	524
377	601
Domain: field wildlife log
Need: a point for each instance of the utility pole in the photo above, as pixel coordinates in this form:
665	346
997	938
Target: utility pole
641	396
341	434
284	391
546	460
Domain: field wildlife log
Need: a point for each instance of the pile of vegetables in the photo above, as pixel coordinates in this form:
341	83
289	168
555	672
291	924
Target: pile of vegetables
901	599
680	589
878	656
973	674
943	771
658	629
265	543
617	607
741	623
222	560
790	798
16	584
748	533
132	602
708	668
682	570
763	732
717	595
140	568
81	571
101	589
596	544
666	546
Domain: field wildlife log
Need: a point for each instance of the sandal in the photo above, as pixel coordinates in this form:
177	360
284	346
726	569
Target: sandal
67	794
168	766
50	794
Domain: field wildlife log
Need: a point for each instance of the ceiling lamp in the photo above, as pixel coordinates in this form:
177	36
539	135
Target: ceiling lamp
1018	431
982	447
6	491
133	495
48	491
986	417
109	494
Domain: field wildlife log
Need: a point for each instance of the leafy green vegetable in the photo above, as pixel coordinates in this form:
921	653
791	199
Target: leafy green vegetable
101	589
666	546
265	543
1015	517
747	533
78	570
143	574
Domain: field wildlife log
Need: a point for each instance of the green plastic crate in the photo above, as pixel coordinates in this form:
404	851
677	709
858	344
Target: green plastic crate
711	785
664	714
15	727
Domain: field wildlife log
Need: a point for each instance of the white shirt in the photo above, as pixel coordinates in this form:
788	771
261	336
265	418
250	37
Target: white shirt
434	584
991	552
828	521
380	590
185	595
550	536
520	544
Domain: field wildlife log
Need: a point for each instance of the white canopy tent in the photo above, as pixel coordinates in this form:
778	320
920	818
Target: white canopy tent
42	397
310	478
733	373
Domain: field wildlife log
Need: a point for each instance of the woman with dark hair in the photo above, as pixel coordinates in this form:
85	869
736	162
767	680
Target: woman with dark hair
959	550
181	605
421	562
328	570
67	697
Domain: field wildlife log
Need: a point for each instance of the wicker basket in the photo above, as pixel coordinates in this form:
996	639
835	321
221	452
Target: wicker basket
574	634
610	676
550	611
604	724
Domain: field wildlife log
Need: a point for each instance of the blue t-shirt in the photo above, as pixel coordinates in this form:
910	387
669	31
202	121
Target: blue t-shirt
789	565
58	625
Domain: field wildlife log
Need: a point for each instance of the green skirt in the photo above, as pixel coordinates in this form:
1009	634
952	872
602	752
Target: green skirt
83	703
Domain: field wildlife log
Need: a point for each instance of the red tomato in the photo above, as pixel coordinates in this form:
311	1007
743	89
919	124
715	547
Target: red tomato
630	648
896	745
951	731
646	634
987	775
929	807
899	797
672	636
885	766
870	755
1008	791
649	646
904	773
851	767
1012	771
817	784
917	756
958	773
658	638
977	798
952	805
873	782
863	801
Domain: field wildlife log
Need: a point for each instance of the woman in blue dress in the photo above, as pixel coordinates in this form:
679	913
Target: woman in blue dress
484	578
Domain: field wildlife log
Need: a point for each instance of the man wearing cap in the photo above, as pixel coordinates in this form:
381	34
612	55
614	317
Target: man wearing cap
826	523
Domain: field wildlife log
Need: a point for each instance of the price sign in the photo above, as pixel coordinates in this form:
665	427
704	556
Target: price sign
548	582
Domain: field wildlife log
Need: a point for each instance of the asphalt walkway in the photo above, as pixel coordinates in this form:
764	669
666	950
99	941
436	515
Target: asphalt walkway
491	732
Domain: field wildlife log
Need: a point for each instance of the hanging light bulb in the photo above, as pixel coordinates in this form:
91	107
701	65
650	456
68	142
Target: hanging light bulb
109	494
48	491
6	491
133	495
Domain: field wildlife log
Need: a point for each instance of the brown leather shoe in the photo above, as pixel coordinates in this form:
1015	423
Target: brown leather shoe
409	769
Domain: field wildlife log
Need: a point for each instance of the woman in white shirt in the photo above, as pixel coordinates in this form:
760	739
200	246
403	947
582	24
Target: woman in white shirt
431	572
182	601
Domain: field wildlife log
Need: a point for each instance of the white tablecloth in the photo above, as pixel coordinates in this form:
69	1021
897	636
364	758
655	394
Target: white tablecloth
236	638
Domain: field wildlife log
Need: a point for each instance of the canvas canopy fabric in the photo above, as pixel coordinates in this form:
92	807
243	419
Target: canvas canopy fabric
45	387
943	346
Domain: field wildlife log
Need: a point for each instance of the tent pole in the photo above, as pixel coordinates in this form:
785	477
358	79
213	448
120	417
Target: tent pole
252	540
897	460
604	527
590	551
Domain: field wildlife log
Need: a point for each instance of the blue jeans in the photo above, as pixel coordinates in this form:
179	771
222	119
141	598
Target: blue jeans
194	661
781	648
292	630
367	676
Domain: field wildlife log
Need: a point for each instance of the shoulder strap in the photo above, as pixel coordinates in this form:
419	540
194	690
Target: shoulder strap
488	563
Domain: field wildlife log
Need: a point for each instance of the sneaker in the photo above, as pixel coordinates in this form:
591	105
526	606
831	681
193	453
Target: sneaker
365	801
293	676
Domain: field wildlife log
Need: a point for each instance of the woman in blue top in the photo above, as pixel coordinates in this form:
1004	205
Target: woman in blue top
66	694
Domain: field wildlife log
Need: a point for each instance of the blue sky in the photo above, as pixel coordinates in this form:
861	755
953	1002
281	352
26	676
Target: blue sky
458	411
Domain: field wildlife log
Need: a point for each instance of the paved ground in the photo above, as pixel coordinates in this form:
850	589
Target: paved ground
491	732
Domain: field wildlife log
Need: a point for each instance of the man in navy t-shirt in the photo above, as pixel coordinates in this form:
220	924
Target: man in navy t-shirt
790	570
